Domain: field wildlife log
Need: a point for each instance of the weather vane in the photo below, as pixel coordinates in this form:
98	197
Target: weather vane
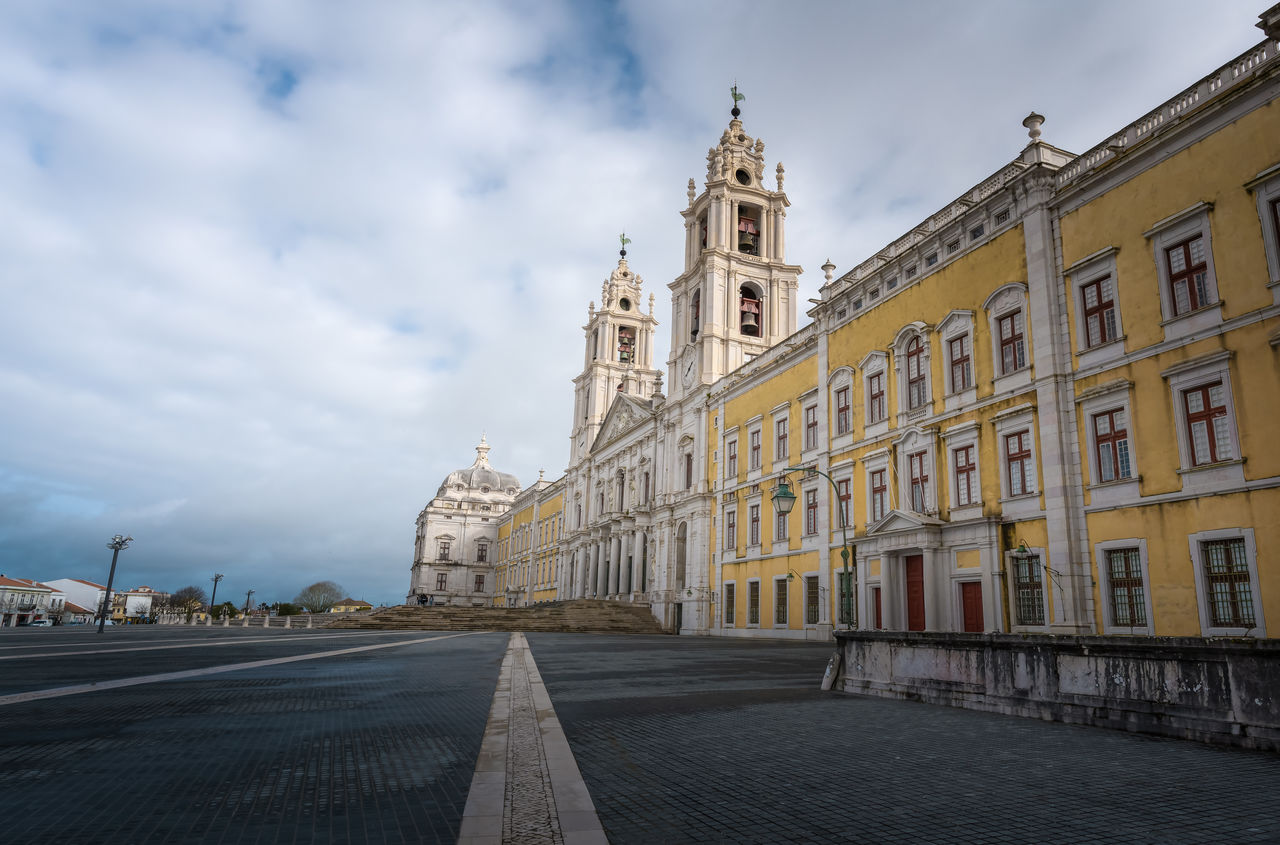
625	240
737	98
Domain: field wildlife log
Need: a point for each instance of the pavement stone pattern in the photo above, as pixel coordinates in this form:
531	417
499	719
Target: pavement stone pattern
374	747
713	740
529	811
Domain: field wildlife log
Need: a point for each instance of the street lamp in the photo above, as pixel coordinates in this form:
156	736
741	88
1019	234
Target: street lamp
117	543
248	595
784	500
217	576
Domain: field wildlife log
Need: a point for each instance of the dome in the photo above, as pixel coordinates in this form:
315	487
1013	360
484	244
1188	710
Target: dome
479	480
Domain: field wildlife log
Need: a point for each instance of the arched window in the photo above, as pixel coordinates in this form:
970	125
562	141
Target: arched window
626	344
682	542
749	314
916	393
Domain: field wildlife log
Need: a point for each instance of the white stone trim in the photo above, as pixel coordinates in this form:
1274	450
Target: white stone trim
912	441
1207	629
1186	375
1086	271
1115	395
1027	504
1168	232
1046	584
1266	190
1002	302
1100	550
773	605
959	322
958	437
905	335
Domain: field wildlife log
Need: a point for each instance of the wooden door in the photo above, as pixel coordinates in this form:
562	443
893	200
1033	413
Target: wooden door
915	592
971	605
875	603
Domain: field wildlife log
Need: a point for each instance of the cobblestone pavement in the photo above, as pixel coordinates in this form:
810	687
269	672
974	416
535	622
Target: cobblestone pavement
374	747
708	740
529	812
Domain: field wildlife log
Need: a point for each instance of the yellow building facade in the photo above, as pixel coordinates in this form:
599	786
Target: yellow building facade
1047	408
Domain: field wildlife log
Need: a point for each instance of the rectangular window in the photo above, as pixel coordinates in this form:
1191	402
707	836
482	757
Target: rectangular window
479	584
811	600
965	471
730	530
443	553
811	512
1124	575
1207	424
1188	275
442	581
753	603
1227	586
1002	216
731	452
753	524
755	449
891	282
1099	312
977	232
782	450
688	472
842	411
953	246
729	604
482	553
1017	455
1013	351
875	398
811	427
919	481
878	491
1111	439
961	364
915	374
1028	589
780	525
875	294
846	596
842	491
931	259
780	602
910	271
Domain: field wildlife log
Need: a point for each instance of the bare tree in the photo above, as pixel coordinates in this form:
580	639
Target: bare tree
319	597
187	600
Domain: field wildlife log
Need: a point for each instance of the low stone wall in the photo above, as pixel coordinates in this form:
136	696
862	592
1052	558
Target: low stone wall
1219	691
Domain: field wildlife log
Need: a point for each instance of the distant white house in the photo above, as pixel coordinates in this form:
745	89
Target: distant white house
23	601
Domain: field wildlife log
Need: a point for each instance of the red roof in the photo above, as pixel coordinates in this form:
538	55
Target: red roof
25	583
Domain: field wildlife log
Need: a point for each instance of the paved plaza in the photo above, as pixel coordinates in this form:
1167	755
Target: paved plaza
168	734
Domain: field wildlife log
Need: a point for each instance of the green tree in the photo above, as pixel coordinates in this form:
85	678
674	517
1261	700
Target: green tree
319	597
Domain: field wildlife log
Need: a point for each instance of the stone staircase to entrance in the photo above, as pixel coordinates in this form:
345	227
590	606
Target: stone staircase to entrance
582	616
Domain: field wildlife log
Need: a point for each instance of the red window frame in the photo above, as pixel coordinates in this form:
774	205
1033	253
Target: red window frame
1111	445
482	553
780	525
1188	276
962	459
731	456
753	514
811	427
1099	312
919	471
730	530
755	449
811	512
915	374
1213	417
843	494
782	448
1230	592
1124	578
875	398
479	585
442	580
842	410
878	489
961	363
1013	349
1017	456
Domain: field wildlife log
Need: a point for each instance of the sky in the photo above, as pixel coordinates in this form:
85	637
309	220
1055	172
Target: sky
269	270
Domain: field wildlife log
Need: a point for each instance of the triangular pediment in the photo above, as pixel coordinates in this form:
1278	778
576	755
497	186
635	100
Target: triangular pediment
626	413
897	520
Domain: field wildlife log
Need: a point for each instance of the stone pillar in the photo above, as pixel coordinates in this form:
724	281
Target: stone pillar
246	621
288	621
615	565
309	618
208	620
624	573
226	621
266	621
602	575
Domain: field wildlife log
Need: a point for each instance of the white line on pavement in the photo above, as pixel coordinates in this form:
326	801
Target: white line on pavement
180	644
58	692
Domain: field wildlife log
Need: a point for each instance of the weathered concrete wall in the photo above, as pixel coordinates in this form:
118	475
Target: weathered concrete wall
1220	691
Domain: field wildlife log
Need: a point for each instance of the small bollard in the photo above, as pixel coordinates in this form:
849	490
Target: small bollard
226	621
266	621
208	621
288	621
308	620
246	621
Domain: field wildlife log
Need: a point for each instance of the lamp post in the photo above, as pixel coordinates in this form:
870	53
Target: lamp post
117	543
248	595
784	500
217	576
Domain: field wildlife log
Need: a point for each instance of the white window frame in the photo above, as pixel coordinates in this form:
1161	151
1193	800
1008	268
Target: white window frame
779	544
731	437
958	437
1169	232
1266	190
1100	550
726	605
844	472
1086	271
1045	586
780	414
876	461
755	500
953	325
876	361
725	549
1187	375
754	427
1021	417
807	401
1207	629
773	610
900	343
1002	302
1112	396
912	442
747	604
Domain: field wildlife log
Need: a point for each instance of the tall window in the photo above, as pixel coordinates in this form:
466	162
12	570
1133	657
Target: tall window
1124	575
626	344
965	472
753	603
875	398
1028	589
1013	350
646	488
779	525
915	374
688	470
1099	312
843	493
1017	453
919	481
1188	275
811	511
811	427
842	411
753	524
1207	424
442	581
961	363
846	596
755	450
1227	585
731	453
482	553
730	606
1111	439
781	451
878	495
731	530
780	601
442	551
811	600
479	584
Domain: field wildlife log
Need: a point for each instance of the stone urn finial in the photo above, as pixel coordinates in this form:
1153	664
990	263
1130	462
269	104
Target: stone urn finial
1033	123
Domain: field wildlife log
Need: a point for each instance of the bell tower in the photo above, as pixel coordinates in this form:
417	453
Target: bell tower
618	358
737	294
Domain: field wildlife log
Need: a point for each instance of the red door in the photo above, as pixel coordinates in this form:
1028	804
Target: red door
875	600
971	604
915	592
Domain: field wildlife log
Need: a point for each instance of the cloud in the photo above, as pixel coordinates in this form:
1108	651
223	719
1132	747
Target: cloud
269	271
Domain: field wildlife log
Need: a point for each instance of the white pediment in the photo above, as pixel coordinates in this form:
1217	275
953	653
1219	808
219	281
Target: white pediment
897	520
625	414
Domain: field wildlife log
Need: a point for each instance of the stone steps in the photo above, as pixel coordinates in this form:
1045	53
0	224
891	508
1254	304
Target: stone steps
583	616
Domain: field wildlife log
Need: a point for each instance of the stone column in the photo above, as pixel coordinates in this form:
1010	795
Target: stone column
624	577
602	576
615	565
